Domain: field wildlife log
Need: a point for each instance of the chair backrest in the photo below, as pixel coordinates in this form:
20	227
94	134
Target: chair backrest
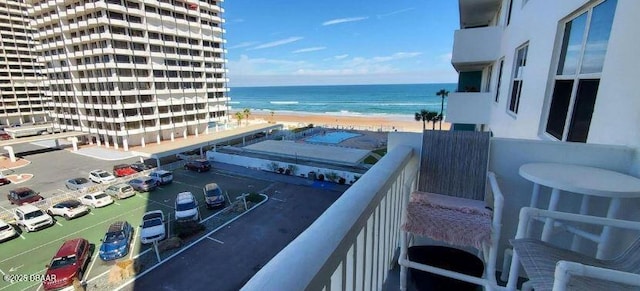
454	163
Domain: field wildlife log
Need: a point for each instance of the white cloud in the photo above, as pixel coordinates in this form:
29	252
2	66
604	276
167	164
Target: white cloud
309	49
242	44
360	61
343	20
386	69
277	43
395	12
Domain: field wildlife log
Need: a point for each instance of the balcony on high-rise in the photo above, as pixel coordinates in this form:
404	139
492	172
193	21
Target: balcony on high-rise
476	47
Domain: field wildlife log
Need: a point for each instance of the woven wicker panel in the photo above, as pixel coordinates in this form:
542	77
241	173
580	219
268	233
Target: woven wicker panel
454	163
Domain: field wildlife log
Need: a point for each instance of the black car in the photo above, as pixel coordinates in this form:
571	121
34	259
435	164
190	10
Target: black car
199	165
140	166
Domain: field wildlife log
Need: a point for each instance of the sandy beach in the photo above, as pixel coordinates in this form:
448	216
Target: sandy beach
373	123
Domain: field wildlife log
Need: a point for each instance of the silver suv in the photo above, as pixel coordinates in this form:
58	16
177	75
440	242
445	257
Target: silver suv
186	207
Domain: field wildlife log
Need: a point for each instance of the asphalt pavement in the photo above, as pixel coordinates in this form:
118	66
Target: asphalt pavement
231	256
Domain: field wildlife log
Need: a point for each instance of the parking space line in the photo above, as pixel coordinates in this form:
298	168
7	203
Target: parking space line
93	261
145	198
215	240
61	190
5	209
116	203
58	223
182	183
135	236
3	273
72	234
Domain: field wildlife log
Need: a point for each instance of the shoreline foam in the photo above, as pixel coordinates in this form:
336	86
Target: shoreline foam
360	122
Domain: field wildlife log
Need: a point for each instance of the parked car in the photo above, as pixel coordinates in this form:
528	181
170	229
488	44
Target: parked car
68	209
69	263
115	243
139	167
101	176
198	165
4	180
152	228
144	184
120	191
31	218
23	195
7	231
162	177
186	207
123	170
78	184
213	196
96	200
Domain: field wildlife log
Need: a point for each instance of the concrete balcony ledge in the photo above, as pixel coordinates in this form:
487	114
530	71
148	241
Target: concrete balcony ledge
469	107
476	46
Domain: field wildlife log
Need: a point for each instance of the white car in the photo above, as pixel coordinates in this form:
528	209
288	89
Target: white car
7	231
96	200
101	176
31	218
186	207
68	209
152	228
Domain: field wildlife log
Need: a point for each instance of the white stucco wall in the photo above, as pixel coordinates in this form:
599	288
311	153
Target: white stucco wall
616	117
262	164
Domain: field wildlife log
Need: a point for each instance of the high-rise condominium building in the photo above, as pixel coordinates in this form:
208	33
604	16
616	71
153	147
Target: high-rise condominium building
131	72
21	95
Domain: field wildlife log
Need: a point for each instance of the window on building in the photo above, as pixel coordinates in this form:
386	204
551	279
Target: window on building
516	84
583	50
500	67
509	10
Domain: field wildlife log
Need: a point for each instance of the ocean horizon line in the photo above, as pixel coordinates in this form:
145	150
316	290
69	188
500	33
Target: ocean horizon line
345	113
332	85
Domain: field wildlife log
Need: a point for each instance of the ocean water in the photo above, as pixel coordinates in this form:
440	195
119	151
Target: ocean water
353	100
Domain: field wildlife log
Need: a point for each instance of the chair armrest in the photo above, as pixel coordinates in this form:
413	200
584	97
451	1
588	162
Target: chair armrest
498	202
528	213
564	271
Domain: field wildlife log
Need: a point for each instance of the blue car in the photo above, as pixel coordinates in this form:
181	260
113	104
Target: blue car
115	243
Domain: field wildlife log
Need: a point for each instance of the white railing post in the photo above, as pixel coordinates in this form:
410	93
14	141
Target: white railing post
360	232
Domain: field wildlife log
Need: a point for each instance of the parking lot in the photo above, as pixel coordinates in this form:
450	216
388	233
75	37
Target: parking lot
31	252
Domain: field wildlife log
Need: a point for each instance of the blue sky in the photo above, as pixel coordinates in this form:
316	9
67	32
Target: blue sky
333	42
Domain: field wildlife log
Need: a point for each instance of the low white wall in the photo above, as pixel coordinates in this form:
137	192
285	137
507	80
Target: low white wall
263	164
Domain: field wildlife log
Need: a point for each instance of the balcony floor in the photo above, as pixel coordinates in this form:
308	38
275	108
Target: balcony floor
393	280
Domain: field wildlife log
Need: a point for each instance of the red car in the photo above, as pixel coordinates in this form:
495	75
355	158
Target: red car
123	170
68	264
23	195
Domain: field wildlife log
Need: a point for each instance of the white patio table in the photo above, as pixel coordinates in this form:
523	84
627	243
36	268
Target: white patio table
588	181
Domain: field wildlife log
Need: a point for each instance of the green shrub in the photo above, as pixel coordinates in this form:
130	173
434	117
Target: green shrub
254	197
188	228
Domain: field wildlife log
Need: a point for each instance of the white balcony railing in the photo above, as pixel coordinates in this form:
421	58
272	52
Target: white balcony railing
352	245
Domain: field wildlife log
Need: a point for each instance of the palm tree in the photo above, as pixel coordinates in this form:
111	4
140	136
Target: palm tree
443	93
246	113
239	117
426	116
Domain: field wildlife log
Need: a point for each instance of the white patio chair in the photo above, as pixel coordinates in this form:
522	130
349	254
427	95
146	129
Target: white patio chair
450	204
553	268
